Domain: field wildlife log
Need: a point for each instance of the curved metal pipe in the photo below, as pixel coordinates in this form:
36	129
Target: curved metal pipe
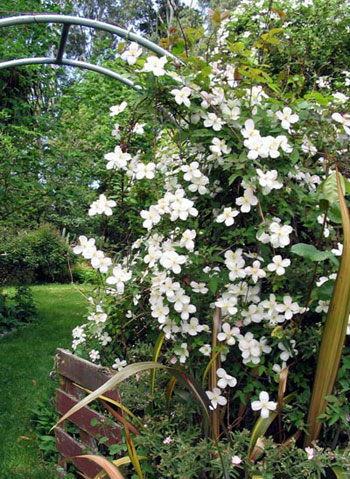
68	19
70	63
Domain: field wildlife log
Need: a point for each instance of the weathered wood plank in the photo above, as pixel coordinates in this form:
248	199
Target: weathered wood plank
83	372
73	390
84	416
69	447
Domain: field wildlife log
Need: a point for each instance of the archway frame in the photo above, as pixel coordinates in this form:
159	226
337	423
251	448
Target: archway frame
68	21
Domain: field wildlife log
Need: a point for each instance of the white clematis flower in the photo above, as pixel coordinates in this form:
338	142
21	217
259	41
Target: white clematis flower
172	260
120	276
287	117
116	109
215	398
132	53
227	216
264	405
278	265
225	379
155	65
182	96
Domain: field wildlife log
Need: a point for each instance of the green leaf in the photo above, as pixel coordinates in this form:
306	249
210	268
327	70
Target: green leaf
329	188
233	177
304	250
94	422
213	284
334	420
236	47
200	132
321	255
303	105
310	252
339	472
347	185
334	213
294	157
318	97
178	48
103	440
324	292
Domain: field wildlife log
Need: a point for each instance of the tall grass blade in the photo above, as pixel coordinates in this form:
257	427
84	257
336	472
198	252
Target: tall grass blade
156	351
196	390
132	450
115	403
122	461
209	365
119	417
110	468
119	377
334	332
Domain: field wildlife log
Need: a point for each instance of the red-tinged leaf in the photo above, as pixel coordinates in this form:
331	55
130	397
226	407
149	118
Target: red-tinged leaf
170	390
196	390
119	417
131	449
122	461
111	470
105	399
132	452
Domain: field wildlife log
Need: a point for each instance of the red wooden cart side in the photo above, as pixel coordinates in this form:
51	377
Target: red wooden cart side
91	425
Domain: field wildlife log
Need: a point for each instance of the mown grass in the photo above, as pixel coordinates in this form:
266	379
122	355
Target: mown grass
26	359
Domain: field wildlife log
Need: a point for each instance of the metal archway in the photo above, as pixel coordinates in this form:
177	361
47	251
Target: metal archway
67	21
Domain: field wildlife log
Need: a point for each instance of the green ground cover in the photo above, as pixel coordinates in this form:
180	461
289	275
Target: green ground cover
26	358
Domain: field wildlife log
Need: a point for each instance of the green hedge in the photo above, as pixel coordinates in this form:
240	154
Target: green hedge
34	256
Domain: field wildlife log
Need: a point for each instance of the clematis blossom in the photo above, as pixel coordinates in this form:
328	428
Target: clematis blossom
264	405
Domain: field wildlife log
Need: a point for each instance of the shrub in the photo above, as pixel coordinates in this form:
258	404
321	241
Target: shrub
34	256
84	273
17	308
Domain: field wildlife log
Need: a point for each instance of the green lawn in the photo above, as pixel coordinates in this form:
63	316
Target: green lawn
26	359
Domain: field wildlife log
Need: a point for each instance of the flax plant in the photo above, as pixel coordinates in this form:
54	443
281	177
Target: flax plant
334	331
